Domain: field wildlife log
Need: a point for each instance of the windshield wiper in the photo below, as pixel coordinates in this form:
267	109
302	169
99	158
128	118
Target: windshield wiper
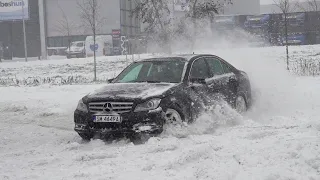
149	81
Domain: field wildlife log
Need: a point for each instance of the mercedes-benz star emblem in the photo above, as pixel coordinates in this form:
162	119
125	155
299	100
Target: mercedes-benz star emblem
108	107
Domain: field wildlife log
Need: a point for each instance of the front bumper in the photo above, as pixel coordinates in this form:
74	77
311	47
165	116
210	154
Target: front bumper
74	53
150	122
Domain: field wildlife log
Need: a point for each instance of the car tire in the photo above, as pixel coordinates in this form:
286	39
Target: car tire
174	115
85	136
240	104
139	138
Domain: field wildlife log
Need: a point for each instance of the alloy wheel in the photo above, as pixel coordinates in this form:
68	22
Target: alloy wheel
173	117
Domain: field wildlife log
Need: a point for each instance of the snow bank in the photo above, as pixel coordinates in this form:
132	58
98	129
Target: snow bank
304	62
62	71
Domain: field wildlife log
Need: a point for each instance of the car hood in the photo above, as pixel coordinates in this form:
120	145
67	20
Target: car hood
130	91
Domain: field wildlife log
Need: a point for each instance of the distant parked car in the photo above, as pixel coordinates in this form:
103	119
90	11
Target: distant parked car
149	93
57	51
77	50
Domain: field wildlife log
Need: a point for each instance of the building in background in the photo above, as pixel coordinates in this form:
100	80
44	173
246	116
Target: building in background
116	22
113	17
295	6
116	15
303	22
11	28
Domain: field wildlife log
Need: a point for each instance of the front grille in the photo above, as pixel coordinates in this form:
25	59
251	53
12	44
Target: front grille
118	107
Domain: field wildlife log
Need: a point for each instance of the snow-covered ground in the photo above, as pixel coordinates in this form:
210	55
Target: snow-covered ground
55	70
278	139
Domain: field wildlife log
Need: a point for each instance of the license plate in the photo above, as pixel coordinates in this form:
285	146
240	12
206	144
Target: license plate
107	119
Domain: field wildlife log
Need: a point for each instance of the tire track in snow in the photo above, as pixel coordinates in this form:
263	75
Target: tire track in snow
198	160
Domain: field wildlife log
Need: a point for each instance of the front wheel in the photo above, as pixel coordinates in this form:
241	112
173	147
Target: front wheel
173	116
85	136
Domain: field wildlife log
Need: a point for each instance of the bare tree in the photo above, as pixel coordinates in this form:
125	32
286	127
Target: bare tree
65	26
206	9
90	15
160	20
155	15
200	10
285	8
311	5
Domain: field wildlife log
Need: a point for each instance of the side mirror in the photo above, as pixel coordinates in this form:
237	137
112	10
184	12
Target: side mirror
110	80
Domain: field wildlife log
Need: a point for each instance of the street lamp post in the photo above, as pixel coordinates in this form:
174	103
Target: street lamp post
24	33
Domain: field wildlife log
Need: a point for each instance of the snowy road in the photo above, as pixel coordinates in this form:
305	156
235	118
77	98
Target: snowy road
278	139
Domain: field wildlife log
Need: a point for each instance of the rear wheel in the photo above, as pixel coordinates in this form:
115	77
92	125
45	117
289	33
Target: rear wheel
139	138
240	104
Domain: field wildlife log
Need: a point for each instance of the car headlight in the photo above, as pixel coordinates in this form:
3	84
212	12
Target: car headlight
81	106
148	105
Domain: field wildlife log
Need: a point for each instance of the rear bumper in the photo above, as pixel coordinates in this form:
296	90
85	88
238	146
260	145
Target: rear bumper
141	122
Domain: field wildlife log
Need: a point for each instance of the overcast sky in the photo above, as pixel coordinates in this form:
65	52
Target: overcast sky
272	1
266	1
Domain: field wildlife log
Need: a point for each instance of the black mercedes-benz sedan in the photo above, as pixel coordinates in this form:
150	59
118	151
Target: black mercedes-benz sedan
151	92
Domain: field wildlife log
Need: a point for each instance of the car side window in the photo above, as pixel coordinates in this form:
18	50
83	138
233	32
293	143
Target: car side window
199	70
226	68
215	66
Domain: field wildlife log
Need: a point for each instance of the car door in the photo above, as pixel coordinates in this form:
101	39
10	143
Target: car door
231	82
218	82
198	89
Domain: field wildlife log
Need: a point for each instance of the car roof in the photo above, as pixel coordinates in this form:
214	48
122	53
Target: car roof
186	57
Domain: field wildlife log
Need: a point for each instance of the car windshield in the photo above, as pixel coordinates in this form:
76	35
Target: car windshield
153	72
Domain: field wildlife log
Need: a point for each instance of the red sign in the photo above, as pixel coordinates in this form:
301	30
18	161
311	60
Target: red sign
116	32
